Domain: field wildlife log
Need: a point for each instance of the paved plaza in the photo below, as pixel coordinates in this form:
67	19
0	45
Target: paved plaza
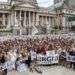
50	70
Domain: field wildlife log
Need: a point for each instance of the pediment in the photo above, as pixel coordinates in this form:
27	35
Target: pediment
27	5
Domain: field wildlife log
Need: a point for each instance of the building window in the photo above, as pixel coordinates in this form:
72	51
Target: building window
6	22
18	32
0	14
0	22
72	28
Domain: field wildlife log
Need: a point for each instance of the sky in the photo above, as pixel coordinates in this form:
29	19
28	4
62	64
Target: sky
43	3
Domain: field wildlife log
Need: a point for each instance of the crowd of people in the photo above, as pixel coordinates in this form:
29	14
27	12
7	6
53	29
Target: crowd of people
39	45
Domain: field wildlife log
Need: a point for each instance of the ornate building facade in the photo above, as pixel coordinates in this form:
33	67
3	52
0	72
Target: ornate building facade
23	17
65	10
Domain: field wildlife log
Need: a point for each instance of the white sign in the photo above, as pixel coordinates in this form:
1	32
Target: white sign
45	60
70	58
33	55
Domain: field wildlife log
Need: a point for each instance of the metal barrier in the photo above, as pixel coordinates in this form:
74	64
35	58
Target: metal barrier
52	36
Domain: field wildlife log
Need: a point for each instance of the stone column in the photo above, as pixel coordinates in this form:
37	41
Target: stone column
12	18
49	21
15	19
53	21
29	18
37	19
24	19
3	19
46	20
9	21
29	22
20	14
42	21
64	23
49	26
20	19
33	18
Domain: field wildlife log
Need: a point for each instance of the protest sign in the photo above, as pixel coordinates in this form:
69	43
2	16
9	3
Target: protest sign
70	58
47	59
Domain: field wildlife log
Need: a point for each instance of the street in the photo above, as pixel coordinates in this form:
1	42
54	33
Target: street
49	70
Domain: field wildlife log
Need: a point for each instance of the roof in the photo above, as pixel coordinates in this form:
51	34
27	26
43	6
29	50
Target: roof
44	10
